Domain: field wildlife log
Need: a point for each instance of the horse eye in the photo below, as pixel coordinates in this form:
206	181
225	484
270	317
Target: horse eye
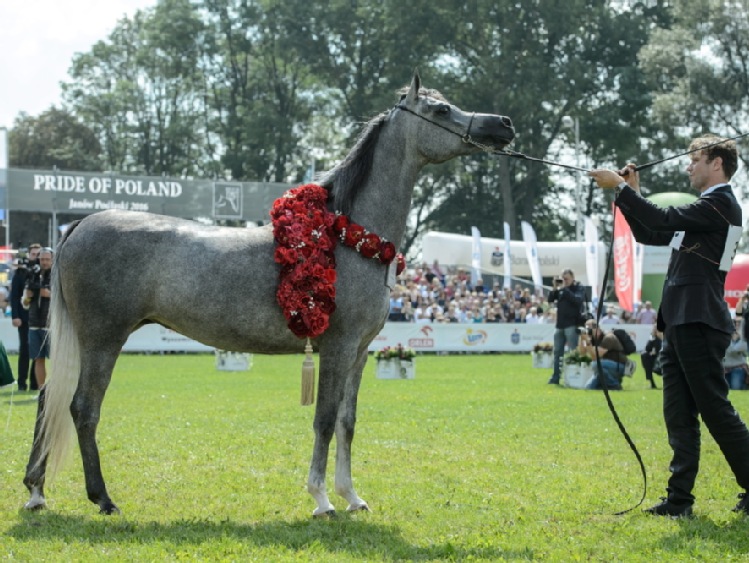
442	110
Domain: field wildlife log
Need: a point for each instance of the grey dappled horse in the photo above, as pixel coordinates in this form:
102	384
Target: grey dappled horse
153	268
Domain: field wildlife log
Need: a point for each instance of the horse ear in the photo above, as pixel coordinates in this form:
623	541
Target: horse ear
413	91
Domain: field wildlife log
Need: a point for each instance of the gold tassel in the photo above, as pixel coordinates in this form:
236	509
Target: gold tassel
308	376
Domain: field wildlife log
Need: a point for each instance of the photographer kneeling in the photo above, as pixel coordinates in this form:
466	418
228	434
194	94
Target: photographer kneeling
611	352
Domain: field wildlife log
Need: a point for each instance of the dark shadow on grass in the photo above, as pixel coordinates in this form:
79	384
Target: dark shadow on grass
731	536
350	534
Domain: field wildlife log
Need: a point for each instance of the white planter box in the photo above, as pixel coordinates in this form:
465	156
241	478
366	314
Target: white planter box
394	368
544	360
233	361
577	375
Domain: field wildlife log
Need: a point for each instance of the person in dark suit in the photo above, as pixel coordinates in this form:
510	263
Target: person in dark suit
693	315
20	319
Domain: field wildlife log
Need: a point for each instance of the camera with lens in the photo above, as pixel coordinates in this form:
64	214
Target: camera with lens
32	266
584	330
26	263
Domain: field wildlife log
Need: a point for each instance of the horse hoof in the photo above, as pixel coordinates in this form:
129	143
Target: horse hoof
328	514
35	505
362	507
109	509
36	502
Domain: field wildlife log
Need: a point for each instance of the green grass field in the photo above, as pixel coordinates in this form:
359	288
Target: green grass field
476	459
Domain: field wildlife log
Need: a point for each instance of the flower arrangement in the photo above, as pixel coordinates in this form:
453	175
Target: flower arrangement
306	234
543	347
395	352
304	248
574	357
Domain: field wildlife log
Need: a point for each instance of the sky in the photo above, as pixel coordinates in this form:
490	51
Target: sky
38	39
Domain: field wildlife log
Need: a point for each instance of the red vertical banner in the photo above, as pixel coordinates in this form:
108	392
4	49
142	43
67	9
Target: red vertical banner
624	262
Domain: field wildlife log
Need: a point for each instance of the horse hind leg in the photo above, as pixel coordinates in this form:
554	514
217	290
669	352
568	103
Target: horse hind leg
96	373
36	468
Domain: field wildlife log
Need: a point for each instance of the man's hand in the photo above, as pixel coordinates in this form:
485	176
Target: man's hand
45	292
608	179
17	322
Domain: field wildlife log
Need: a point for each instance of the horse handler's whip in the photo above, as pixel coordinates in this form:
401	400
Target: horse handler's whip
599	311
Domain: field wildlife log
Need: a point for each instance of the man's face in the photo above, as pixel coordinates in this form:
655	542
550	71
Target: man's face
567	279
45	261
701	171
34	254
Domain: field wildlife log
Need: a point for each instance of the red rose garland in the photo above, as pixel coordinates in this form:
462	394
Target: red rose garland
306	233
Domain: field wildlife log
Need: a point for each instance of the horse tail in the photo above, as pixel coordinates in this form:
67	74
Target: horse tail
56	428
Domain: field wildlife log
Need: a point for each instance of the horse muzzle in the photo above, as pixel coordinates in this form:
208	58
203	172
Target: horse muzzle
493	130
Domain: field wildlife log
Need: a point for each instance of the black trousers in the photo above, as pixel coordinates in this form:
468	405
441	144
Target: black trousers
648	362
694	384
23	360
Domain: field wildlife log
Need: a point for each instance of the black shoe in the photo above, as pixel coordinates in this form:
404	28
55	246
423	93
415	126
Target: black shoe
743	504
24	388
668	508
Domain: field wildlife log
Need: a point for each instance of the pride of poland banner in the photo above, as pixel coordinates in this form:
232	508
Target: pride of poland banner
624	262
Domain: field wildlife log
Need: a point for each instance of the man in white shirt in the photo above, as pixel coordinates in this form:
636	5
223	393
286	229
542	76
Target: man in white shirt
647	315
610	318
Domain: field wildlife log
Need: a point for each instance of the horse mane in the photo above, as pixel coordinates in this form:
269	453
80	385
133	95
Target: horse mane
346	178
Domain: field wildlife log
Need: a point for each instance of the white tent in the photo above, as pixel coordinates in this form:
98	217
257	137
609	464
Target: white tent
452	249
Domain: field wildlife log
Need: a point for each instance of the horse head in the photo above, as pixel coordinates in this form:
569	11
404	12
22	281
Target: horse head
447	131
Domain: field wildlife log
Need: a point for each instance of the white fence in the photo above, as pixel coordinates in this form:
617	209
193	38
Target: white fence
421	337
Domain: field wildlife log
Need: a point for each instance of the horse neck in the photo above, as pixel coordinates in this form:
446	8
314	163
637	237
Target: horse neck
384	201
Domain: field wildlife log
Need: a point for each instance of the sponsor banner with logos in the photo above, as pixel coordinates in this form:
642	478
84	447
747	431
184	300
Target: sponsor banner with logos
421	337
480	337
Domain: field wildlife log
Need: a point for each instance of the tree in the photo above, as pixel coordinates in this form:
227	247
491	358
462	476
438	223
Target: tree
55	139
137	91
698	71
259	85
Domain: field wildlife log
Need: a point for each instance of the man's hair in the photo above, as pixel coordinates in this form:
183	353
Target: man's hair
725	150
35	245
568	271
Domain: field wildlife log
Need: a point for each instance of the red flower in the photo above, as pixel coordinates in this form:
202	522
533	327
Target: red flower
285	255
354	234
401	264
317	324
340	223
387	252
370	245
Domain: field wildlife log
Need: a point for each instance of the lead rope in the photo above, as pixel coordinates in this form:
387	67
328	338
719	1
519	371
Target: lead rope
605	385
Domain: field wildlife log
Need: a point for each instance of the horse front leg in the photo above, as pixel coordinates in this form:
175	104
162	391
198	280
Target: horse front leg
86	409
37	466
336	362
324	425
344	432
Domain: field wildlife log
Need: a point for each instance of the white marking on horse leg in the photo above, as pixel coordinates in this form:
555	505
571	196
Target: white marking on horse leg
37	501
344	486
316	487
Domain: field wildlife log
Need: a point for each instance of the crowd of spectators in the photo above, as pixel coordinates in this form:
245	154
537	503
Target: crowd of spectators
439	294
